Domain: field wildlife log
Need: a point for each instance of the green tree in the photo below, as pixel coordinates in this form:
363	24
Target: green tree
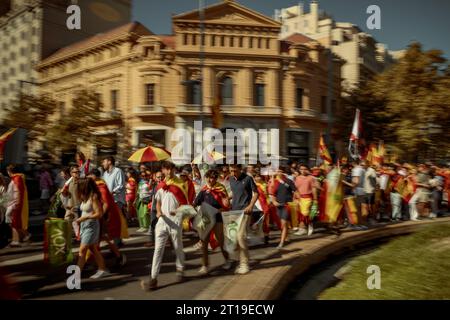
33	113
75	128
407	106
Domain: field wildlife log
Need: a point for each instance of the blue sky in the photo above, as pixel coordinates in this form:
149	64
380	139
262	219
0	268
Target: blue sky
402	21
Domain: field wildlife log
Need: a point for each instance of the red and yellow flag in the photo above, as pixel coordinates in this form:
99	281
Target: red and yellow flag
4	138
324	153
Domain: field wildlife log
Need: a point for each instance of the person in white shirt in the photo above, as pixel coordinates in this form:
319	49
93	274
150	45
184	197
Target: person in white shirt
172	193
358	175
370	183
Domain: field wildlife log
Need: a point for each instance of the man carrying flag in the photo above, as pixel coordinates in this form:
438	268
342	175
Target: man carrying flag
17	209
354	137
173	192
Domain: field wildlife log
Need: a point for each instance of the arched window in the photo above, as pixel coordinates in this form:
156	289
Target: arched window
227	91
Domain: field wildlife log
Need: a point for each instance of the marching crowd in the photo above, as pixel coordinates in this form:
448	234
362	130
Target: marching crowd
99	203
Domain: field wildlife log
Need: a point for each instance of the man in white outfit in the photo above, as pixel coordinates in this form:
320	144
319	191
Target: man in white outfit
171	193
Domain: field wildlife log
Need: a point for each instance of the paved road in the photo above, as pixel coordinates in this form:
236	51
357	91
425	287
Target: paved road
37	281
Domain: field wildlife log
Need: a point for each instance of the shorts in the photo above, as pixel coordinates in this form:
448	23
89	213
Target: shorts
283	213
369	198
305	206
90	232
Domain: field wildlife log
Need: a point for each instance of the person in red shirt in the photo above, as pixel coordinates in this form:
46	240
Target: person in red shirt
130	196
306	188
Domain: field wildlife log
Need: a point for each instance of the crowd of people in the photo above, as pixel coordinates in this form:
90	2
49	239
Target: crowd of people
100	203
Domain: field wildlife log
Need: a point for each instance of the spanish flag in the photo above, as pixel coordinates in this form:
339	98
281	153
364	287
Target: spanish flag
20	213
184	192
4	138
324	153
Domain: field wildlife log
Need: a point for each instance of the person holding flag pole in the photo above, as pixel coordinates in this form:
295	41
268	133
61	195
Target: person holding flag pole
355	136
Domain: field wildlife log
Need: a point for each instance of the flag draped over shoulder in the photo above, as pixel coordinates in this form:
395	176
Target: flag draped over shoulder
117	225
324	153
355	136
20	214
4	138
219	192
183	191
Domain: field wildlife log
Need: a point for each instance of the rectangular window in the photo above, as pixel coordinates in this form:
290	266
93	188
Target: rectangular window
250	42
231	41
241	42
267	43
299	98
259	95
323	105
114	99
194	93
222	41
259	43
150	94
213	41
194	39
185	39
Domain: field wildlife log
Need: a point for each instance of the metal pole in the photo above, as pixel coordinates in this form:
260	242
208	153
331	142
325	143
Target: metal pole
329	102
201	4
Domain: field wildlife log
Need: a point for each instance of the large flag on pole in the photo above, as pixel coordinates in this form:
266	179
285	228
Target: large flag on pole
324	153
355	136
4	138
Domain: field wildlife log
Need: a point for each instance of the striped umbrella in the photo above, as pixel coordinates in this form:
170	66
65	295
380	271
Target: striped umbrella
210	157
150	154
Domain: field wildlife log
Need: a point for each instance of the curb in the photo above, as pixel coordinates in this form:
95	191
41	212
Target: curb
270	278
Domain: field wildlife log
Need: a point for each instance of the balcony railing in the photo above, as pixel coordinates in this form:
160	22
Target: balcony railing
149	110
251	110
303	113
188	109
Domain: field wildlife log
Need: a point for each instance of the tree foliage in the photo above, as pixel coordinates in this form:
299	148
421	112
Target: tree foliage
75	127
407	106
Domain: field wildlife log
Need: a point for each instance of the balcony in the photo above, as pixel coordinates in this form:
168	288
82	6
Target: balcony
252	111
303	113
192	109
148	110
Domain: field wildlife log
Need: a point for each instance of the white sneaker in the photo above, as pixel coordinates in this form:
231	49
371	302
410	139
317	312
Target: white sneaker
280	246
300	232
243	269
100	274
414	219
227	265
310	229
295	229
433	216
203	271
27	238
141	230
